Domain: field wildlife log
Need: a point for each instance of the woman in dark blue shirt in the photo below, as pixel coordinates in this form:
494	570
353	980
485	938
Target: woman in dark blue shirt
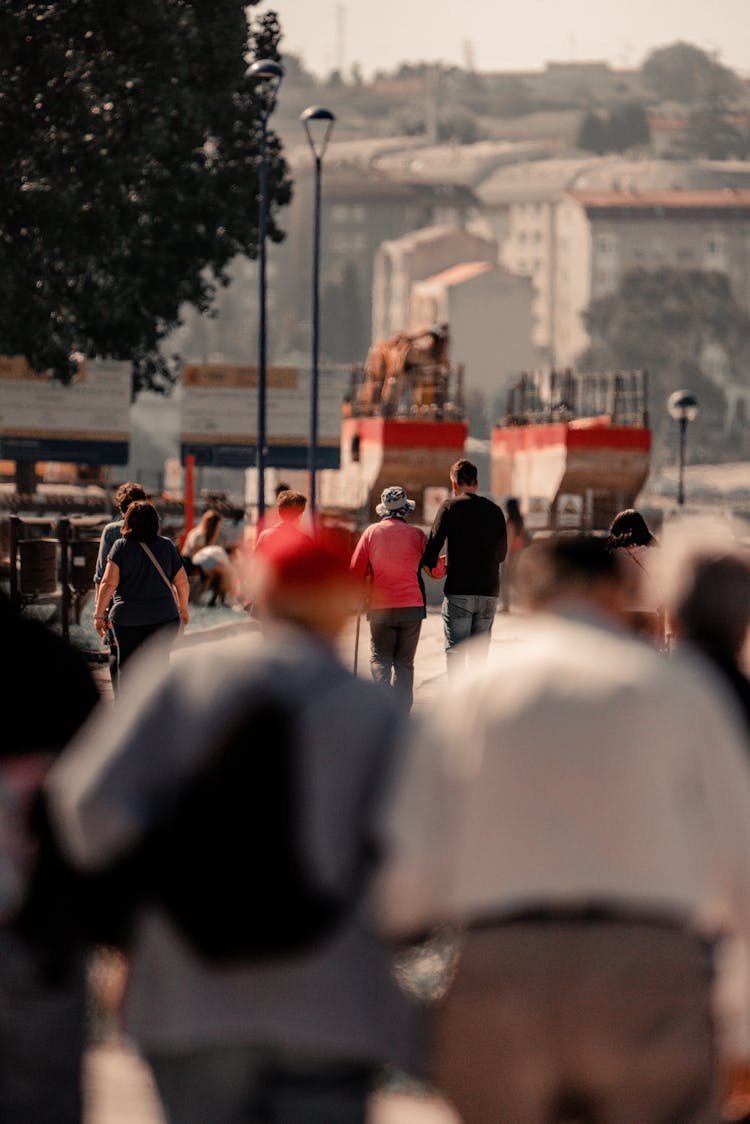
146	582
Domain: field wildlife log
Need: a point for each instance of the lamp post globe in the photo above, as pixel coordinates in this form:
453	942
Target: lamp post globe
267	74
683	407
318	123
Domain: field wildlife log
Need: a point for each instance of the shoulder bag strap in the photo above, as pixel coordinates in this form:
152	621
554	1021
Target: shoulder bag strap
156	562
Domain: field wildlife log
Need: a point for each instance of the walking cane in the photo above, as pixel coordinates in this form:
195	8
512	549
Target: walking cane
356	642
368	594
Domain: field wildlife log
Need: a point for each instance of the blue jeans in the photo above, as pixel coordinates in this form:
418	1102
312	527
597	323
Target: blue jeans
249	1085
466	616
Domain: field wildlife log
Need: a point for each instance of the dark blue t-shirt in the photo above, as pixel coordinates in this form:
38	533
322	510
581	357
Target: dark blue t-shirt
142	596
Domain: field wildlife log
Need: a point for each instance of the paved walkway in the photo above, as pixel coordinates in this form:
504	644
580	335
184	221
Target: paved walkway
118	1084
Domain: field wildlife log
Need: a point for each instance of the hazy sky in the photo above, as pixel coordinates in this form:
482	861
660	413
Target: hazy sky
497	35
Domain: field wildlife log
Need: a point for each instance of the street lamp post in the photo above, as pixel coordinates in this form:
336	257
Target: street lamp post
269	73
683	407
318	123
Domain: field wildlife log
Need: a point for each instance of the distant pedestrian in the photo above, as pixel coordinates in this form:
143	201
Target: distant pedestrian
580	807
473	527
203	554
299	1038
635	546
518	538
138	585
705	574
387	558
290	507
111	532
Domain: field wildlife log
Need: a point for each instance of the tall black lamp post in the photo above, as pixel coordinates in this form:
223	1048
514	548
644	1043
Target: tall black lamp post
268	74
683	407
318	123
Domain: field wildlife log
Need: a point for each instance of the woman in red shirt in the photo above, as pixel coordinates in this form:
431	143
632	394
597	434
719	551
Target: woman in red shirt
388	556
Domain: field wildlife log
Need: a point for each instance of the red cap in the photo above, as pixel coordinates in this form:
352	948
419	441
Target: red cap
298	575
298	559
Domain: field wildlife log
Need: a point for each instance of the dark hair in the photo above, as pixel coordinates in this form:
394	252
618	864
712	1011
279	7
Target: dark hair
464	472
629	528
141	522
713	606
513	513
565	564
127	493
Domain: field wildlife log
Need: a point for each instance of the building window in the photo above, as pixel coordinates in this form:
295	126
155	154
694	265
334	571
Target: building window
348	241
349	213
715	252
606	244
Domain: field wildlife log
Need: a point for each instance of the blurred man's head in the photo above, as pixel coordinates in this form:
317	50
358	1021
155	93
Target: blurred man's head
571	568
305	581
705	580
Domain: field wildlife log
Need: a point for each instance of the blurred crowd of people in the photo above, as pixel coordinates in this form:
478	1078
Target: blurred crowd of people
573	807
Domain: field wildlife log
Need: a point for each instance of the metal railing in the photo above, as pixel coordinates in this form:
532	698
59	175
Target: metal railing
564	395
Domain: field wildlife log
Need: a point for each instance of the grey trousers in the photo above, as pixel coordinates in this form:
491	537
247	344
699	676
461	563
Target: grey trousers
602	1023
392	651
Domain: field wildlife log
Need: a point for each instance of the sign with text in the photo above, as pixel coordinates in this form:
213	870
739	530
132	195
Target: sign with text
86	422
219	419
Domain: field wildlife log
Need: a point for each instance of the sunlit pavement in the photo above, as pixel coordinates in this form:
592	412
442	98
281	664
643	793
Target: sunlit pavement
118	1084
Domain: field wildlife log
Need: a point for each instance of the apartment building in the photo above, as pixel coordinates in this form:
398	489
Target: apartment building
488	310
362	207
681	214
400	263
601	235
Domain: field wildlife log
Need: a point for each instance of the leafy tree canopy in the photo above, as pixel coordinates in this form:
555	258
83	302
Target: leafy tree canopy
682	72
615	130
716	131
130	172
661	322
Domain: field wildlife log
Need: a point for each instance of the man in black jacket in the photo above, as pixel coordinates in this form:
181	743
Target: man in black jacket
473	527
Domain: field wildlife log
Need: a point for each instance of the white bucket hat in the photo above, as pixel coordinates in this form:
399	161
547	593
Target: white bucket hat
394	501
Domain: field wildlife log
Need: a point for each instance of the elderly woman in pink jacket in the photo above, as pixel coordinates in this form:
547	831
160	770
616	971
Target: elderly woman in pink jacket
387	556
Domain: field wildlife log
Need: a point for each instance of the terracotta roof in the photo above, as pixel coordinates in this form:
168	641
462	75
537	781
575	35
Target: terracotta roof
669	200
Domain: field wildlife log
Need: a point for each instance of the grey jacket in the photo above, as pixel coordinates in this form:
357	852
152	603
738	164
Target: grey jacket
340	1001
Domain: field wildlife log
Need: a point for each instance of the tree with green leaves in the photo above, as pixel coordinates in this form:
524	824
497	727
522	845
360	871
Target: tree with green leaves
665	322
682	72
615	130
716	131
130	175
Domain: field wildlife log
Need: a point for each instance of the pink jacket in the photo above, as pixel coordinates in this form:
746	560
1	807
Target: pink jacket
392	549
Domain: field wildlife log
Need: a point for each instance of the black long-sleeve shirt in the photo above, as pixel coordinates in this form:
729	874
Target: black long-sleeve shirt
474	529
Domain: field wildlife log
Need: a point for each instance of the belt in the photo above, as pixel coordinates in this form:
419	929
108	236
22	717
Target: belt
584	914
